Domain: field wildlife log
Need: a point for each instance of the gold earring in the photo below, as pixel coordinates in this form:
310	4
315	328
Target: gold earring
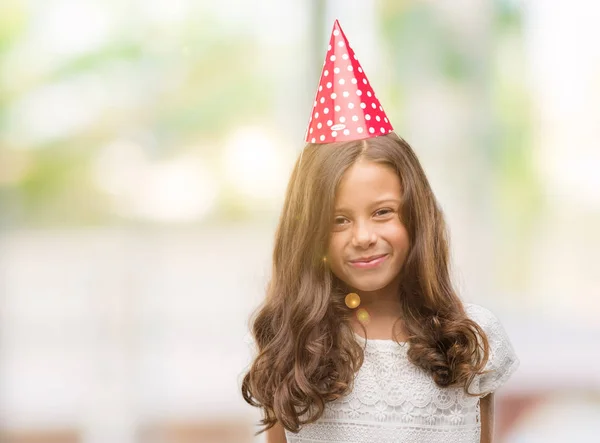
352	300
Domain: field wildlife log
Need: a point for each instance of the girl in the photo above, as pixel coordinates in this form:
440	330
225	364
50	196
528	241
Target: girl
362	337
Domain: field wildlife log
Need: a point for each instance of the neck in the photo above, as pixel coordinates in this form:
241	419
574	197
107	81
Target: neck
381	303
384	309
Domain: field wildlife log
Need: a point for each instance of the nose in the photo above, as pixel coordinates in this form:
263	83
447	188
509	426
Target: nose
363	235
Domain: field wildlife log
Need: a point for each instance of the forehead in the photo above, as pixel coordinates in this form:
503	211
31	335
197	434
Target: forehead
366	181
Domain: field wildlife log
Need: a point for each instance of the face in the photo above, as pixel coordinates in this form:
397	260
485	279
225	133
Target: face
369	243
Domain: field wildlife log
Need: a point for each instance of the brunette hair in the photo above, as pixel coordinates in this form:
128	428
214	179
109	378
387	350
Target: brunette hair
307	353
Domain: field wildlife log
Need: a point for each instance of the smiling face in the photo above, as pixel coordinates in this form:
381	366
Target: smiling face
368	243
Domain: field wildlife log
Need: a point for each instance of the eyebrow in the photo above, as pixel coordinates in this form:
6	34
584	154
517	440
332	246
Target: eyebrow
375	203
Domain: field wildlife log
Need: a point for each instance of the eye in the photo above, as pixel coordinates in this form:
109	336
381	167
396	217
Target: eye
339	220
382	212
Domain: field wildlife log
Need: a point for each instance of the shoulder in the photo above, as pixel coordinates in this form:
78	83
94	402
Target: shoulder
478	313
482	316
488	321
502	361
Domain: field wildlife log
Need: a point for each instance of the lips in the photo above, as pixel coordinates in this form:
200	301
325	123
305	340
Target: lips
372	262
367	259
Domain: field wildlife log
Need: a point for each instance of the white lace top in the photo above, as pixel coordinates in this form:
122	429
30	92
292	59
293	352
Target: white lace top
394	401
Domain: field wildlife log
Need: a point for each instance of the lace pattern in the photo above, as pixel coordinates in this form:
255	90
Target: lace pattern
502	362
351	432
394	401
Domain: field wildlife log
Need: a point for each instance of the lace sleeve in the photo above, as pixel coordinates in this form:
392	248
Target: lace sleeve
503	361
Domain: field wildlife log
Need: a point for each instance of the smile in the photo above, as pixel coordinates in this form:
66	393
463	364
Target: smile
373	263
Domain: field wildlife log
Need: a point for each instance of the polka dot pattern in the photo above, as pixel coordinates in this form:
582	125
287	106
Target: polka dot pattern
345	107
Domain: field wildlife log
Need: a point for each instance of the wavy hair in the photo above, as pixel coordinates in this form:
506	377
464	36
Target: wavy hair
307	353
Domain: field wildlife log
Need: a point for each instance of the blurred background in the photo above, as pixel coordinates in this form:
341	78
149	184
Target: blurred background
145	148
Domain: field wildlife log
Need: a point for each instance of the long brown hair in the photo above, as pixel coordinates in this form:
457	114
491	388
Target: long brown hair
307	353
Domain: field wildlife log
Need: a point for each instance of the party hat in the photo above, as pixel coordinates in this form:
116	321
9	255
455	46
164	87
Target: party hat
345	106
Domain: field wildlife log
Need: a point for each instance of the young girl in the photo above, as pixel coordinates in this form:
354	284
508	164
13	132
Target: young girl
362	337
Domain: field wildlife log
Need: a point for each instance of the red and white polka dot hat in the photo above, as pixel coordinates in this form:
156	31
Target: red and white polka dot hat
345	106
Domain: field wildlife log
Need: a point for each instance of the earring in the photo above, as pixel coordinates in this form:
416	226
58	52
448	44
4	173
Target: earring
352	300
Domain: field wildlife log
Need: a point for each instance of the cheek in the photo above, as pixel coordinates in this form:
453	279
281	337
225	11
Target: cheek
335	248
397	235
335	255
